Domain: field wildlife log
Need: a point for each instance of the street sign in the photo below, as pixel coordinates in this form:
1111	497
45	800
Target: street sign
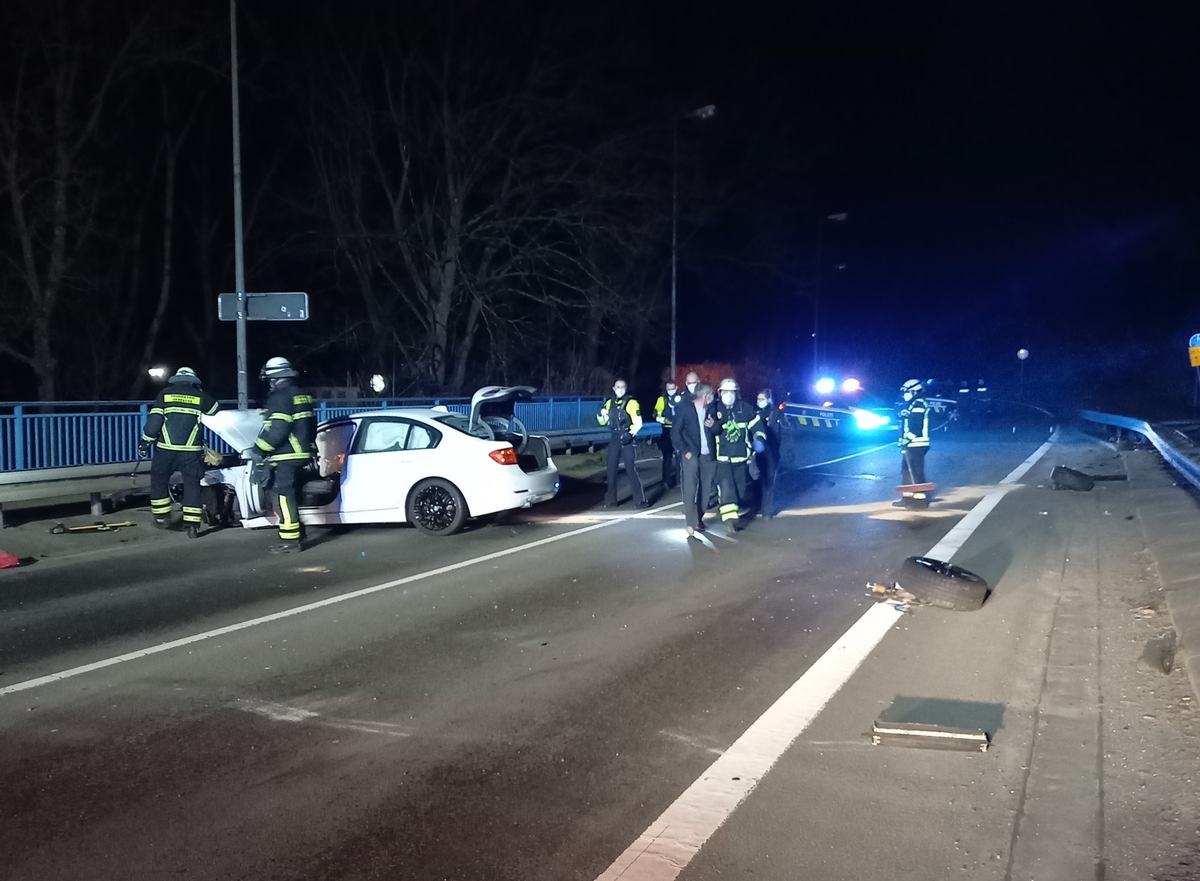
1194	349
276	306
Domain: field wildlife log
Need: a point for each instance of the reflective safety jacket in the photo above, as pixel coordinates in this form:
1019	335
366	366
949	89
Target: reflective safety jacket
623	416
914	424
174	420
290	431
664	407
736	428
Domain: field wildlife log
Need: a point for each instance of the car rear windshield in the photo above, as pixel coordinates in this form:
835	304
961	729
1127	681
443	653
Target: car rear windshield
462	423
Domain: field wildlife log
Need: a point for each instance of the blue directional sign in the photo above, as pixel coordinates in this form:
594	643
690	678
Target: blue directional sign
1194	342
279	306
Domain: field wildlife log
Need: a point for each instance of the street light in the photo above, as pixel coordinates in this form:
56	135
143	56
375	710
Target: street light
705	112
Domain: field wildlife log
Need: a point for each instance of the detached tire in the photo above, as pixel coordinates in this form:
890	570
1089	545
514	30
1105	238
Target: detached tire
435	506
942	584
1063	477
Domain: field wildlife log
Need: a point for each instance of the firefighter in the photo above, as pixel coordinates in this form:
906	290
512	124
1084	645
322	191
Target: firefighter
914	440
623	417
174	428
739	433
768	458
664	412
284	444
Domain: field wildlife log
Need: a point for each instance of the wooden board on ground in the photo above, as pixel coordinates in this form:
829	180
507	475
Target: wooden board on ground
916	488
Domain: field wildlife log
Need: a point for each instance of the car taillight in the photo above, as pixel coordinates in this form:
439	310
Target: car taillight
506	456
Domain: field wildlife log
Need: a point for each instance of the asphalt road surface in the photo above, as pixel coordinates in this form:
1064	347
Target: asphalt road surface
520	701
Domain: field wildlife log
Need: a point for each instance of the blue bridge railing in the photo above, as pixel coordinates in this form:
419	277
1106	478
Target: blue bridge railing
67	434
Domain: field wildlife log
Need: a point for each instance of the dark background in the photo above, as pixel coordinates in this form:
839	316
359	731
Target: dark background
1012	175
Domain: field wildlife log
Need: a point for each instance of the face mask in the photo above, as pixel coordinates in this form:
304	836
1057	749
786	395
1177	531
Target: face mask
619	391
691	386
670	391
727	398
763	403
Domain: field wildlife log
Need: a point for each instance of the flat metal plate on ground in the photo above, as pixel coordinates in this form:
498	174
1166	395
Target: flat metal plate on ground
916	734
937	723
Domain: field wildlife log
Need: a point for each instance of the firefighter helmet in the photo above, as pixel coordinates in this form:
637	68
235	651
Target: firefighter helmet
728	384
184	375
277	368
911	389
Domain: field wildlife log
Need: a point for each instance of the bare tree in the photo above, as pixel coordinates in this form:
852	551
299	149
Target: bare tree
58	89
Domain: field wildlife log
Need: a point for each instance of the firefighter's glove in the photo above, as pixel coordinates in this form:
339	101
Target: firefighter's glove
759	445
143	449
904	442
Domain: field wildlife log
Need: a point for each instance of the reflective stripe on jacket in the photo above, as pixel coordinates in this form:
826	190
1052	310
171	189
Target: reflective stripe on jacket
914	424
291	427
736	428
174	420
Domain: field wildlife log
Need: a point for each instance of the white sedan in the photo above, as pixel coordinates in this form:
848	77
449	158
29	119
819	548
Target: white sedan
429	467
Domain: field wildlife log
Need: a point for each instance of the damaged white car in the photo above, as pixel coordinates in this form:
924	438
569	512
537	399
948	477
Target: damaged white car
429	467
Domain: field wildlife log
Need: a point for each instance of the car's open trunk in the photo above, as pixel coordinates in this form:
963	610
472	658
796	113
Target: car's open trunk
535	456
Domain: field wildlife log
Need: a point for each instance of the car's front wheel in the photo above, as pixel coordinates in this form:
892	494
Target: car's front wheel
437	507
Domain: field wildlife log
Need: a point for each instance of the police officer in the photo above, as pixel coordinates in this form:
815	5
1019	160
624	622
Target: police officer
173	426
914	440
623	417
768	459
285	443
739	432
664	412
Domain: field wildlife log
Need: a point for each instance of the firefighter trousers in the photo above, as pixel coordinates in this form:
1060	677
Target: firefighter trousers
733	484
287	498
190	465
912	464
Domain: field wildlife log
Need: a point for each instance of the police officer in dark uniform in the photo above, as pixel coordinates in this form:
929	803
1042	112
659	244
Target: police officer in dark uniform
767	458
173	426
664	412
623	417
739	432
284	444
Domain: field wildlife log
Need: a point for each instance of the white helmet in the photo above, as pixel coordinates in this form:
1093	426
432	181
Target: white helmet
185	375
277	368
911	389
728	384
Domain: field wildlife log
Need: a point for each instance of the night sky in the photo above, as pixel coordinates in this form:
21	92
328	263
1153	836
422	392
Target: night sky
1012	175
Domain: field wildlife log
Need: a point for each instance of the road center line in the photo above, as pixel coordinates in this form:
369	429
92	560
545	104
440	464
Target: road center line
309	607
663	851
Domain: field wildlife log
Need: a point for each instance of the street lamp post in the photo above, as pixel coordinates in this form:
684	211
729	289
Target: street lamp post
833	218
705	112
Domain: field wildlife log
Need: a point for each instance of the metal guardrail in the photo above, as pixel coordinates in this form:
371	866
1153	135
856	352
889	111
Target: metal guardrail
83	433
1182	456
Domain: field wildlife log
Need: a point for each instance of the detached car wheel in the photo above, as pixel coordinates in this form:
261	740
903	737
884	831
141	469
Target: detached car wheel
437	507
942	584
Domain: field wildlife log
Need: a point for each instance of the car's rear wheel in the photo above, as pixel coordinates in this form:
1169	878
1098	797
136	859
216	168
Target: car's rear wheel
436	506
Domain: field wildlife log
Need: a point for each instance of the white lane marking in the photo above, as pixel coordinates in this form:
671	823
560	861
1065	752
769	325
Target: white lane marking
953	540
668	845
308	607
663	850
